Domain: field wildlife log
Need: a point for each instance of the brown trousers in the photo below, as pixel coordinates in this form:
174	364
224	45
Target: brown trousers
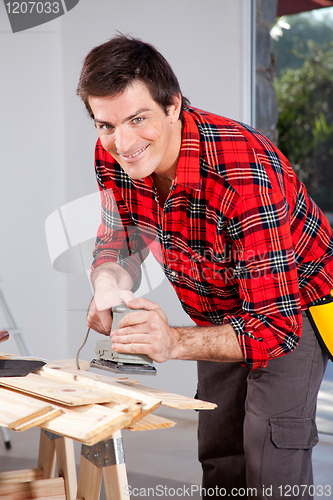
258	443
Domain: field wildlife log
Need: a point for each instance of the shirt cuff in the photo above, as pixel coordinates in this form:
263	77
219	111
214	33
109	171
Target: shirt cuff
254	348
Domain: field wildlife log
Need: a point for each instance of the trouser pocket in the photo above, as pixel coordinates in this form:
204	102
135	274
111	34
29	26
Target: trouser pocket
286	464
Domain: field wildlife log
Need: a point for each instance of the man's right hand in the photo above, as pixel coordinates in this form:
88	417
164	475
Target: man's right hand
112	286
100	321
99	317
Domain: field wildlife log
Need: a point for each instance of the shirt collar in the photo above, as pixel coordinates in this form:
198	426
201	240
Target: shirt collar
188	166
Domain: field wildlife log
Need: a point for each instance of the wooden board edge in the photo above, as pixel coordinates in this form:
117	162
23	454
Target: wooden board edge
16	476
54	413
172	400
151	422
38	413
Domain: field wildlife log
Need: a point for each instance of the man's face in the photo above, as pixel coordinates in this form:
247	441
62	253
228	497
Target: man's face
135	130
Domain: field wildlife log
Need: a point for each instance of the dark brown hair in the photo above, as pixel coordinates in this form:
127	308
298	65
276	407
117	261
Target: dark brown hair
111	67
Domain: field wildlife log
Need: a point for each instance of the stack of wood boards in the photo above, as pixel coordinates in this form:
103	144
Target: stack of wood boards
84	406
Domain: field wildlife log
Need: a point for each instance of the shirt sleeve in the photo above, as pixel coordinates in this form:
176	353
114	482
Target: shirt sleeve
118	238
269	324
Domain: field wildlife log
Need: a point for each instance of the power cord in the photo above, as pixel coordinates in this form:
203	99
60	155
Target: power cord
78	352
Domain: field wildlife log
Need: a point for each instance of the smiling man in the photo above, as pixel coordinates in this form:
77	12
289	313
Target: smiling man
147	142
245	248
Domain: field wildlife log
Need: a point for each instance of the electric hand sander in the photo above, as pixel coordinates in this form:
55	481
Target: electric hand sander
138	364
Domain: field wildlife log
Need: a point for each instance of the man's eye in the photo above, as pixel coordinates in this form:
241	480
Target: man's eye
104	126
137	120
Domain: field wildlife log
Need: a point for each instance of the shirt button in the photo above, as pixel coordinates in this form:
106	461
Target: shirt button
167	236
173	274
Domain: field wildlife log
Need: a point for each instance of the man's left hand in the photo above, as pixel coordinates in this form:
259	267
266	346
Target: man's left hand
145	332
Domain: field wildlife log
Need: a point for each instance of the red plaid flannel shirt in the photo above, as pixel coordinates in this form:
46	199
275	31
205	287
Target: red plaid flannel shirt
238	237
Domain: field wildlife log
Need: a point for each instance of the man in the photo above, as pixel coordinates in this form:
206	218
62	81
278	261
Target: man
244	247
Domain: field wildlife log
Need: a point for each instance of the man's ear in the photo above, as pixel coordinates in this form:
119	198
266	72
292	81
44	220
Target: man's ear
175	108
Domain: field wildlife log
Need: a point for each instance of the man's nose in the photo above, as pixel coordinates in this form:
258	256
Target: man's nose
124	140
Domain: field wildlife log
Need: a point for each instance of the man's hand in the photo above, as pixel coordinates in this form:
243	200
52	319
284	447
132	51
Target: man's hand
99	314
107	297
100	321
145	332
148	332
112	286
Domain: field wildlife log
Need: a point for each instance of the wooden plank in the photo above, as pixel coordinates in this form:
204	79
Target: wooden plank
18	411
171	400
135	389
35	421
133	415
88	424
89	379
71	364
57	497
131	410
134	408
125	399
16	476
7	355
83	379
151	422
18	408
52	390
40	489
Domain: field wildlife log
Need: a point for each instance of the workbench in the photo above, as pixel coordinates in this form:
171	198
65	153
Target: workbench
69	405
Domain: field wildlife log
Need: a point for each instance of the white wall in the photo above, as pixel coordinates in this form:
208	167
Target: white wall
48	145
33	180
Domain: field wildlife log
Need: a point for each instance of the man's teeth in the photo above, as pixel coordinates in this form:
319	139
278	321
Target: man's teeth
135	154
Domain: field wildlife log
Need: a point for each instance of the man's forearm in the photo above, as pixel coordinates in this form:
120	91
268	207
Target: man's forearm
112	286
207	343
110	274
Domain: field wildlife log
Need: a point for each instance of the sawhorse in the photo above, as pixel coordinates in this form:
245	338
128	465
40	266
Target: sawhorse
105	458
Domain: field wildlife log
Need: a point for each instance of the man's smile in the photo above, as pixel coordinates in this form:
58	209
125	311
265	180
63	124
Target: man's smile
134	155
